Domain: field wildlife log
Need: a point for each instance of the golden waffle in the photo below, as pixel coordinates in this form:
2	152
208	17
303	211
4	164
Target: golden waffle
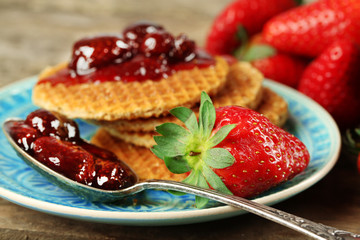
272	106
243	88
140	159
119	100
144	139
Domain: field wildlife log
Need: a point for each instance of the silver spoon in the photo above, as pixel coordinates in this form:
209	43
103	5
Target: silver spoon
304	226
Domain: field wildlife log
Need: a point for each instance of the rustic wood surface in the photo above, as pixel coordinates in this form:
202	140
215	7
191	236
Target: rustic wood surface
37	33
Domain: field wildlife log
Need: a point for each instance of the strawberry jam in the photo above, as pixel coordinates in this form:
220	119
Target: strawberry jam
141	52
55	141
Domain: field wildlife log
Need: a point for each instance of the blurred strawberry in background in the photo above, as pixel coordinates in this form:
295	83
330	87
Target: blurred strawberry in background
297	47
333	80
274	64
307	30
312	47
240	20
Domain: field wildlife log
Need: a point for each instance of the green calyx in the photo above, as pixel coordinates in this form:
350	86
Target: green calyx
250	52
193	149
351	141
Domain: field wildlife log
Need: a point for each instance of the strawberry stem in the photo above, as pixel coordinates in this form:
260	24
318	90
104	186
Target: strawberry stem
194	153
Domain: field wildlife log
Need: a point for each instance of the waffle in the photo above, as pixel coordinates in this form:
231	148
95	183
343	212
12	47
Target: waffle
118	100
140	159
272	106
243	88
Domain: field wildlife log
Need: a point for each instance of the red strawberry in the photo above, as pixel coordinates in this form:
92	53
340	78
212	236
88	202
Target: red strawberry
309	29
246	17
275	65
358	162
232	149
282	68
333	80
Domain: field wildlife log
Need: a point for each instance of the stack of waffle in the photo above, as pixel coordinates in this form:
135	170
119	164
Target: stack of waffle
128	113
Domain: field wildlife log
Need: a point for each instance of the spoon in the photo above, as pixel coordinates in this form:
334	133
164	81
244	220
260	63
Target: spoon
304	226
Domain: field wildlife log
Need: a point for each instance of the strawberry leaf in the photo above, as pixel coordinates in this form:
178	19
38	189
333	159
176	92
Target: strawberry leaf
196	178
357	131
218	158
242	35
205	97
214	180
206	117
186	116
173	130
177	164
200	202
157	151
169	146
192	178
176	193
258	51
220	135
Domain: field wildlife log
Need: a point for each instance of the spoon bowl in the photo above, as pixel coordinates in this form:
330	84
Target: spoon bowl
87	192
304	226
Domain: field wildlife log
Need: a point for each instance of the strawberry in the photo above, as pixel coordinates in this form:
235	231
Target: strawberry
275	65
309	29
231	149
358	162
332	80
240	19
282	68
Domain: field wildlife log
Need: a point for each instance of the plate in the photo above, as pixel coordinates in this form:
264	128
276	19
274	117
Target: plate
22	185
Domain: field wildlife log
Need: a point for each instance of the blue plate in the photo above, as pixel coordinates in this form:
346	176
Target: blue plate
22	185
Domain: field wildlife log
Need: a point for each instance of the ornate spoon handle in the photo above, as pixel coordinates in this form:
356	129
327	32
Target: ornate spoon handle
309	228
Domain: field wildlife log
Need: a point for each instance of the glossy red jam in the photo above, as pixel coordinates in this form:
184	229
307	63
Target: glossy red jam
55	141
142	51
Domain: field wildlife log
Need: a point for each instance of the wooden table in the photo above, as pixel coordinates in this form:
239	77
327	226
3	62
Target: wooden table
37	33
